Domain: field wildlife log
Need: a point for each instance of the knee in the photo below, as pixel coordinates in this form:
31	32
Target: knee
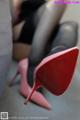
69	26
67	34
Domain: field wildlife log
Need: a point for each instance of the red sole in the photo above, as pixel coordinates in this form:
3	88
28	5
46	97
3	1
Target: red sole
55	71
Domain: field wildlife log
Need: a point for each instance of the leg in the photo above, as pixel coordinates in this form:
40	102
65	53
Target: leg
49	20
27	31
24	35
47	23
21	51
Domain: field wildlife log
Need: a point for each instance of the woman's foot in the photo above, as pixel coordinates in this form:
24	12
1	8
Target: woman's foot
25	89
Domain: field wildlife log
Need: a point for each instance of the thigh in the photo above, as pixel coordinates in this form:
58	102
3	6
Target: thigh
17	30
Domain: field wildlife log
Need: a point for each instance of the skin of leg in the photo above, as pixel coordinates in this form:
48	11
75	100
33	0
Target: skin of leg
20	50
17	30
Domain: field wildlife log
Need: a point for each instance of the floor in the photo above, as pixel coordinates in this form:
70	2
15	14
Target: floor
65	107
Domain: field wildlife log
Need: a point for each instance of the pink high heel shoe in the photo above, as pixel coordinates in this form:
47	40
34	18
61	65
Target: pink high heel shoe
25	89
55	72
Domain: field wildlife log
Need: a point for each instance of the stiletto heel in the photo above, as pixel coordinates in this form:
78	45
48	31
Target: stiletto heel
14	78
36	85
